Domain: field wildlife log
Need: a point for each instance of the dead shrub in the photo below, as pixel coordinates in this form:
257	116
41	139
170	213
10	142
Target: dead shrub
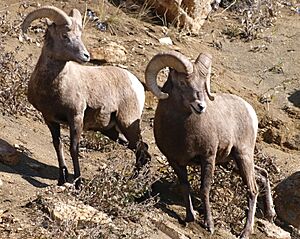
254	17
228	195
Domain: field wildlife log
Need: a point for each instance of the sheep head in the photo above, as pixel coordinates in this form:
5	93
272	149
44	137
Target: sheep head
63	36
188	82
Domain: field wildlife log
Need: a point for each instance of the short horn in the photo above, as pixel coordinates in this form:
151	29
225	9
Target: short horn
204	62
56	15
172	59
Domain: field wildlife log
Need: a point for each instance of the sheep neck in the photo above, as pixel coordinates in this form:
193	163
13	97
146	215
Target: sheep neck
47	62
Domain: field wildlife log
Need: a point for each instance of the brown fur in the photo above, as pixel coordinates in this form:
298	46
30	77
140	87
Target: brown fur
84	97
193	126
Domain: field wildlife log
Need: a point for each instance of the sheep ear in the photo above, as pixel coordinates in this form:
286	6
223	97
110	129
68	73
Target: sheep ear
76	15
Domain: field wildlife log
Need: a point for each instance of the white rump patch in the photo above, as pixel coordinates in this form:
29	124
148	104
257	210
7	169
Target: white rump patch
253	116
139	90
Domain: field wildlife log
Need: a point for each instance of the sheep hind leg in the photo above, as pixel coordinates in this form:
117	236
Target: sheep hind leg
246	169
114	135
55	132
207	172
133	134
262	179
181	173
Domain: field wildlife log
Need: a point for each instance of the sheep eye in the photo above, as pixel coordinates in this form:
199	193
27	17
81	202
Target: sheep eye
66	37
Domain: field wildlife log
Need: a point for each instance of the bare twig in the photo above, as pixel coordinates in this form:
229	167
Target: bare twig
221	13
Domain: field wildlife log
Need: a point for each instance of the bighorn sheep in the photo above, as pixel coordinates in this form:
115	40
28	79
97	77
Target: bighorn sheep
105	98
194	126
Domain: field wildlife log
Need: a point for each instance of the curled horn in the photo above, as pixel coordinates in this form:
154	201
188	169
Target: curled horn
172	59
58	16
204	61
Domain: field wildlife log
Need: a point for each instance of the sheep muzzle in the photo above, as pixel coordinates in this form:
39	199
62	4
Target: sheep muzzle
198	106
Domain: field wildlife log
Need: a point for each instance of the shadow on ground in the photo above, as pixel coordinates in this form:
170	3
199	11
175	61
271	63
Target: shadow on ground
295	98
170	196
29	168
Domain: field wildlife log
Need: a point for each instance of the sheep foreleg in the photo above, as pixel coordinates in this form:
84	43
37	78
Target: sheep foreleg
207	172
55	132
76	127
181	173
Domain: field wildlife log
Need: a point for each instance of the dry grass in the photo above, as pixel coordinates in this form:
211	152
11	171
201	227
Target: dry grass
254	17
14	76
15	69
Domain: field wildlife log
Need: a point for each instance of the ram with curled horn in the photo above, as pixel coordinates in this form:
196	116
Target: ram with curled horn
108	99
194	126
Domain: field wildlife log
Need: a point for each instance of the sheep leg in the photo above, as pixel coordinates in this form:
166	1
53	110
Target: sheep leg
262	178
114	135
55	132
207	172
133	134
246	168
181	173
76	126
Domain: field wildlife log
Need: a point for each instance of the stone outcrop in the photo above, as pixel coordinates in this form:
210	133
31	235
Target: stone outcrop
272	231
287	200
78	212
110	53
8	154
184	13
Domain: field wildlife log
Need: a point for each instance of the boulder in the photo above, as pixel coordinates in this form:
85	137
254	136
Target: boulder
8	154
185	13
111	53
287	200
78	212
272	231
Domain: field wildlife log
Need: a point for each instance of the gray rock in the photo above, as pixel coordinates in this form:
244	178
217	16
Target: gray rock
287	200
8	154
272	231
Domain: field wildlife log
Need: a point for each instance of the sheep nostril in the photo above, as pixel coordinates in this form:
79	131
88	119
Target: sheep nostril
201	107
87	56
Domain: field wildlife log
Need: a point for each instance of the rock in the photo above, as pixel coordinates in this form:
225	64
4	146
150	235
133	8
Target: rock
77	211
272	231
1	183
112	53
169	229
293	142
186	13
287	200
8	154
273	135
165	41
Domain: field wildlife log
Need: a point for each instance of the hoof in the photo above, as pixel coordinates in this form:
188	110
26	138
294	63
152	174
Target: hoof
77	182
244	234
209	226
63	176
270	216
